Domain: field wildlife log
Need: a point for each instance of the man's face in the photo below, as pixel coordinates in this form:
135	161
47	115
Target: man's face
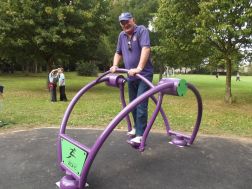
128	25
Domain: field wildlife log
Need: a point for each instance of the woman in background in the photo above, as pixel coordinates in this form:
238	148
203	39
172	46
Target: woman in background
53	79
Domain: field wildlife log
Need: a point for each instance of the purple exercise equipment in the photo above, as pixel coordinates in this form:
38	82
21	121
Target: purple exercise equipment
75	159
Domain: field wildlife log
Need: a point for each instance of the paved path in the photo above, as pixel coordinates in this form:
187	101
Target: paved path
28	160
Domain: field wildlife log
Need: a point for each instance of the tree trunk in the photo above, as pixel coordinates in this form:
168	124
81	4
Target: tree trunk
12	68
161	71
228	95
50	65
35	67
27	68
40	69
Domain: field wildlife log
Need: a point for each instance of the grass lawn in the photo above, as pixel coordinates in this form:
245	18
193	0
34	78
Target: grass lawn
26	104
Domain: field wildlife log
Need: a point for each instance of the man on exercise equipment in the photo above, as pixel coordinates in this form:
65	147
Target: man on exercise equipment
133	47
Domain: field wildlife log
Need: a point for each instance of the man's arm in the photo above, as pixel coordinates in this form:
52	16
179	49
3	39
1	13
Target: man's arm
145	53
116	61
54	70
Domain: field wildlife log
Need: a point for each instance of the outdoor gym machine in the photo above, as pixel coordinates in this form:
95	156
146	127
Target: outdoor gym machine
75	158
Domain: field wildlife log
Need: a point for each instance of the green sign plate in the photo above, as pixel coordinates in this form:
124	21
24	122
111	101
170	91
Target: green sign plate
73	156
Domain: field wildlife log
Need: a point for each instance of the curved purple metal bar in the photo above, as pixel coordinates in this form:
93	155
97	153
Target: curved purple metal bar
150	123
102	138
124	113
200	110
124	105
69	110
74	101
120	70
102	79
190	139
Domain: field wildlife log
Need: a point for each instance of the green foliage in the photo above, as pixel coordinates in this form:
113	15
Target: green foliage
87	69
104	53
226	26
175	25
191	31
142	10
32	30
62	32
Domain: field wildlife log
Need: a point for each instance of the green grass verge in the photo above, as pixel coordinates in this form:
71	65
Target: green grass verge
27	104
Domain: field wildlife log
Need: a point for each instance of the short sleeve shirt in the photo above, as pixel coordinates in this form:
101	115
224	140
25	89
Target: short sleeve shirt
61	79
139	39
53	78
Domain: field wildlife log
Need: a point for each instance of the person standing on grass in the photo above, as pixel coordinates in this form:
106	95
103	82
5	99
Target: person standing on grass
133	47
1	96
53	79
217	75
2	123
62	84
238	77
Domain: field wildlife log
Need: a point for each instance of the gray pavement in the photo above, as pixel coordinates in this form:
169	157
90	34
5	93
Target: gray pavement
28	160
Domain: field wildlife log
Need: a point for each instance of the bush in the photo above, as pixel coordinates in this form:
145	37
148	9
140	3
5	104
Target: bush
87	69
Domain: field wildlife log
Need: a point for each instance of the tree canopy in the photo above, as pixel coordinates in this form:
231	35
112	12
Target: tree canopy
175	26
226	26
35	30
191	33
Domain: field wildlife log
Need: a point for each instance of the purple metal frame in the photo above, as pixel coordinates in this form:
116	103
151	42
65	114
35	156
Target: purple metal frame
73	181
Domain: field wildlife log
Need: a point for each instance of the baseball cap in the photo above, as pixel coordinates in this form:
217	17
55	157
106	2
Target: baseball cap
125	16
